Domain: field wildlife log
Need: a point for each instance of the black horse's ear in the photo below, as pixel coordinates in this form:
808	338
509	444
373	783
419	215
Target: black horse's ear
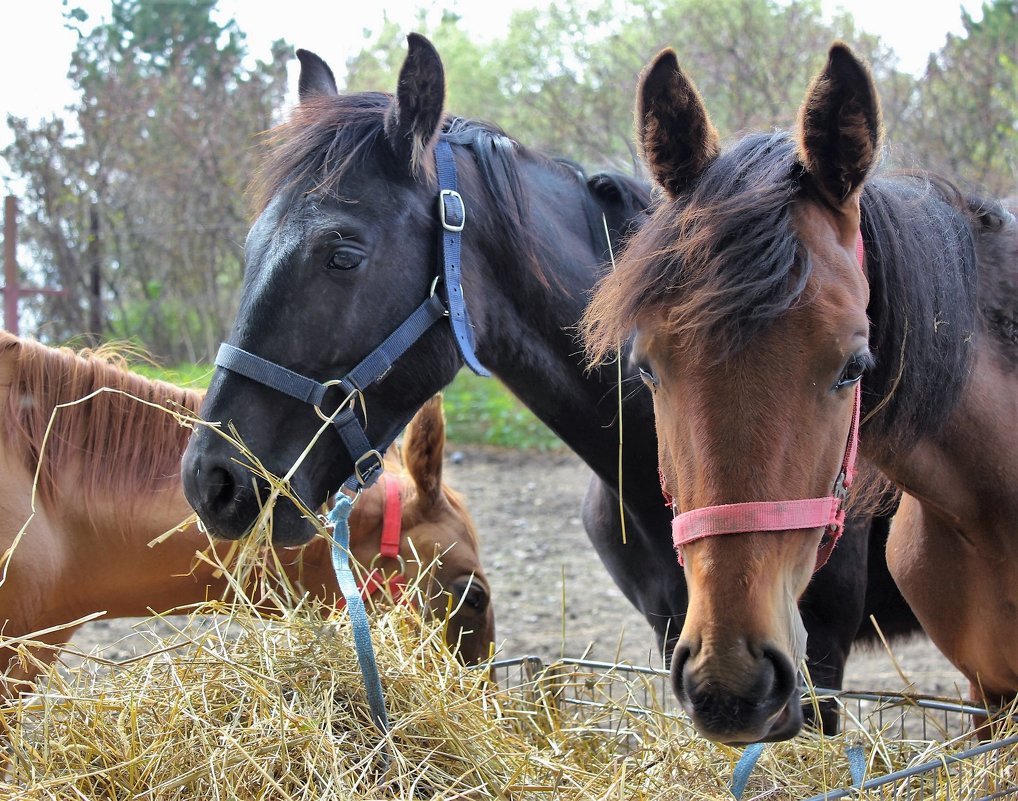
414	119
674	132
840	126
315	77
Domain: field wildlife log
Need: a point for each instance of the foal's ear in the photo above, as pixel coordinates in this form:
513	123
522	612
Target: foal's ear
840	126
674	131
414	119
315	77
423	449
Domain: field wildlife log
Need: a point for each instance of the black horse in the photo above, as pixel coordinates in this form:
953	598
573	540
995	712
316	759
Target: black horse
345	249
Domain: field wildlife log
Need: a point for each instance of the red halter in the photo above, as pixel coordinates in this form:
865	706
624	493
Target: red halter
740	518
392	523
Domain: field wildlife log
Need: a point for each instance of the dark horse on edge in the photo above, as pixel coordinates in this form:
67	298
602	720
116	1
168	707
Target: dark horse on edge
345	248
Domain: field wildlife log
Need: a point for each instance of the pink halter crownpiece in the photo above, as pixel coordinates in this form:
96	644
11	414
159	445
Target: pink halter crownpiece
740	518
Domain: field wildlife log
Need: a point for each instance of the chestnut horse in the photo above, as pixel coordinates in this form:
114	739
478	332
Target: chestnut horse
773	281
109	484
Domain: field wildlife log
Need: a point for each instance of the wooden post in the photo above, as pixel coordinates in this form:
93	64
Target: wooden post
12	287
11	264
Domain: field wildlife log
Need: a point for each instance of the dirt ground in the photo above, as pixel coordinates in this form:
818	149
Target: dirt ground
551	595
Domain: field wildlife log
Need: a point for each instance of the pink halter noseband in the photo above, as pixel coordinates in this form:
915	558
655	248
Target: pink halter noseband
741	518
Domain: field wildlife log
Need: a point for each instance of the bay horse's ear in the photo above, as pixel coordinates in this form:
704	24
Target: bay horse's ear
674	132
315	77
840	126
415	117
423	450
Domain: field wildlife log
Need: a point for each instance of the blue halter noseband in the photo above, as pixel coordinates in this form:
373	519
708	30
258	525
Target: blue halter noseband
367	459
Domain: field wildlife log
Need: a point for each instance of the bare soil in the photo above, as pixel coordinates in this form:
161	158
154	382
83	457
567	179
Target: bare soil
551	594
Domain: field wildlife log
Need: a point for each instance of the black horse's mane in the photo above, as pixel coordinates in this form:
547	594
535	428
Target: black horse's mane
326	135
724	261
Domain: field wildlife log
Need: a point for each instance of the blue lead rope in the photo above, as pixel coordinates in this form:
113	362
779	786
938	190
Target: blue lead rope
744	768
338	518
855	754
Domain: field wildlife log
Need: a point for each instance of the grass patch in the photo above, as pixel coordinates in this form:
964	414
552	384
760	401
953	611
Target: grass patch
482	411
478	411
193	376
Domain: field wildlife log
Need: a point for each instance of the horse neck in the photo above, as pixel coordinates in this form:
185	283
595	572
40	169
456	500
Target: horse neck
526	319
116	563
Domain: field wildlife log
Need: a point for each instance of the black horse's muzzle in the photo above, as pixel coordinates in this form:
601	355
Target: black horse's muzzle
230	499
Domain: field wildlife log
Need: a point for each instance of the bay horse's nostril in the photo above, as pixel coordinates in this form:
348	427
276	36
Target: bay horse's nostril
680	657
785	675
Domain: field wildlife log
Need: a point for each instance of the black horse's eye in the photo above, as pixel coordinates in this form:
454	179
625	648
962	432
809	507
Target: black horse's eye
856	365
345	259
648	376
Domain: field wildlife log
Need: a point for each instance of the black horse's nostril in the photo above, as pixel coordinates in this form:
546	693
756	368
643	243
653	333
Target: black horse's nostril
220	490
217	494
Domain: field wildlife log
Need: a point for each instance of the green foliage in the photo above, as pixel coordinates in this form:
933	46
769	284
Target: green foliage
482	411
142	197
142	192
966	123
192	376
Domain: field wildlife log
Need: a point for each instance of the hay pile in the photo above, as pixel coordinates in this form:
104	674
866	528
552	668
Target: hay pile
239	705
275	709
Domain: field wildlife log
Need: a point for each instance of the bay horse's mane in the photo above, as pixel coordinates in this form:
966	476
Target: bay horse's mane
722	261
328	134
114	447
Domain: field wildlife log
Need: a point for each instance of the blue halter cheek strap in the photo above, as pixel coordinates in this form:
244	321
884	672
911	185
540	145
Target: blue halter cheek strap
446	300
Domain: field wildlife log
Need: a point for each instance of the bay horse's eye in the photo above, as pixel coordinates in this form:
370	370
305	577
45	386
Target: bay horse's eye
853	371
648	376
345	258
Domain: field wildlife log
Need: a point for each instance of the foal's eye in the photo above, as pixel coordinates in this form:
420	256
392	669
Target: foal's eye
346	258
648	376
853	371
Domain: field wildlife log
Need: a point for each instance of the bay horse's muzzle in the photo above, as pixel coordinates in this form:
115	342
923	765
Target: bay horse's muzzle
764	707
229	497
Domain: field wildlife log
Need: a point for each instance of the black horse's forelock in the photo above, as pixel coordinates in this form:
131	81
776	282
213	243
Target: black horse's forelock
328	135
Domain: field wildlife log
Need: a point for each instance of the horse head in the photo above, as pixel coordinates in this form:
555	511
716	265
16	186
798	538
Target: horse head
749	309
444	540
342	253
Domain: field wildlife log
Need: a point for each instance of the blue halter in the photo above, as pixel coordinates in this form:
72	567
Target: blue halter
367	459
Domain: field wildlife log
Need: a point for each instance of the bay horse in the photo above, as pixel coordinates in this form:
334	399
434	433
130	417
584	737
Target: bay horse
779	294
109	484
345	247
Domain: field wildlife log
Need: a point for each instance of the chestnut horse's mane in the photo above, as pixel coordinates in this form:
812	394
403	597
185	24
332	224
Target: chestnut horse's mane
116	447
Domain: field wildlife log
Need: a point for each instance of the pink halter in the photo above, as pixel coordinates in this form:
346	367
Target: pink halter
740	518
